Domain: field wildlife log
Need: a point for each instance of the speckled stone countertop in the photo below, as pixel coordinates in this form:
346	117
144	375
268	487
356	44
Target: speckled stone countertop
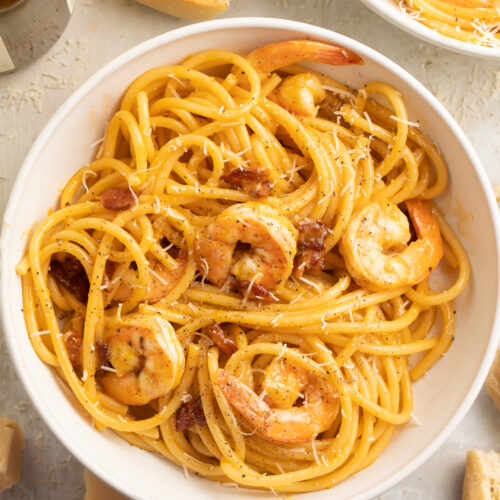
100	30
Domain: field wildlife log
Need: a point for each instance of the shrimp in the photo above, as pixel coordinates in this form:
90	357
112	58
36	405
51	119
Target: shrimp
266	264
145	360
275	416
302	93
161	280
375	245
277	55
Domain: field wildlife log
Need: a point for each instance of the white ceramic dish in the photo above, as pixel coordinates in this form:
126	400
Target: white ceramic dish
441	399
390	11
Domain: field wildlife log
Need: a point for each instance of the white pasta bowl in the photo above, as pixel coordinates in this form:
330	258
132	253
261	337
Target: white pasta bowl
392	12
442	397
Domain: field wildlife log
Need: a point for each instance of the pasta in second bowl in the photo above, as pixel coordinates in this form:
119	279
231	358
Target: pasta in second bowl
251	308
466	26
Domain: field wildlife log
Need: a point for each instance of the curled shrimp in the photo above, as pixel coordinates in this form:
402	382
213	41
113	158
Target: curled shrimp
302	93
267	263
275	416
144	359
376	250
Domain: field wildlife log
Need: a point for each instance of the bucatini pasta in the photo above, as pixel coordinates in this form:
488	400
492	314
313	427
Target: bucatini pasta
239	279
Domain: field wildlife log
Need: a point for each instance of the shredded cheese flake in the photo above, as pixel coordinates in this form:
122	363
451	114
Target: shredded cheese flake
311	284
406	122
84	178
315	453
109	369
158	277
41	332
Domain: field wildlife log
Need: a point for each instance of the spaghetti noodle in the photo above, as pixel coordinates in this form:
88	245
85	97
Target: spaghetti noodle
233	283
470	21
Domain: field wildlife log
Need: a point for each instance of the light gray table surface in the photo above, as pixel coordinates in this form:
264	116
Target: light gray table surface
100	30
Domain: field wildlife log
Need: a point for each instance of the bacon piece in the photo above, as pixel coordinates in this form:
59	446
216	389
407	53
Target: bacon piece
107	277
220	339
73	341
310	247
190	414
331	105
258	291
70	273
115	198
252	180
102	351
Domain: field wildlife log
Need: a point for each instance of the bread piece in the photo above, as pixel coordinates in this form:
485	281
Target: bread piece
194	10
482	476
98	490
11	449
493	381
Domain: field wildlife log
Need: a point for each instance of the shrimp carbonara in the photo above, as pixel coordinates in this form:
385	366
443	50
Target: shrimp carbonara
470	21
239	280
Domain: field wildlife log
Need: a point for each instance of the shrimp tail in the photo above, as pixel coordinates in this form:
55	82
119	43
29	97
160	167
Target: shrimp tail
276	55
424	221
422	217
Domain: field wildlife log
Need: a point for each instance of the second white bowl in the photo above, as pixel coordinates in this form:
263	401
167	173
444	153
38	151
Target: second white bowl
390	11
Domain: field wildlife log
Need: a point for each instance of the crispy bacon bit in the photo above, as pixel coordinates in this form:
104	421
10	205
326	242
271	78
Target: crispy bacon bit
114	198
73	341
331	105
71	275
102	351
190	414
220	339
310	247
258	291
252	180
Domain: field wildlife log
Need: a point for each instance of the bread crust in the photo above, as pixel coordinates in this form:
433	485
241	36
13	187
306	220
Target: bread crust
194	10
482	476
11	447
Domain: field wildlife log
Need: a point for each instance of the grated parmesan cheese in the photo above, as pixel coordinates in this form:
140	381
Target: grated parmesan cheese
311	284
369	120
41	332
250	286
410	124
315	453
158	277
84	178
109	369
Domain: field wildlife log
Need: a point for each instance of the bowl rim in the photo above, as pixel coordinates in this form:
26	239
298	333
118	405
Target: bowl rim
419	30
161	40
